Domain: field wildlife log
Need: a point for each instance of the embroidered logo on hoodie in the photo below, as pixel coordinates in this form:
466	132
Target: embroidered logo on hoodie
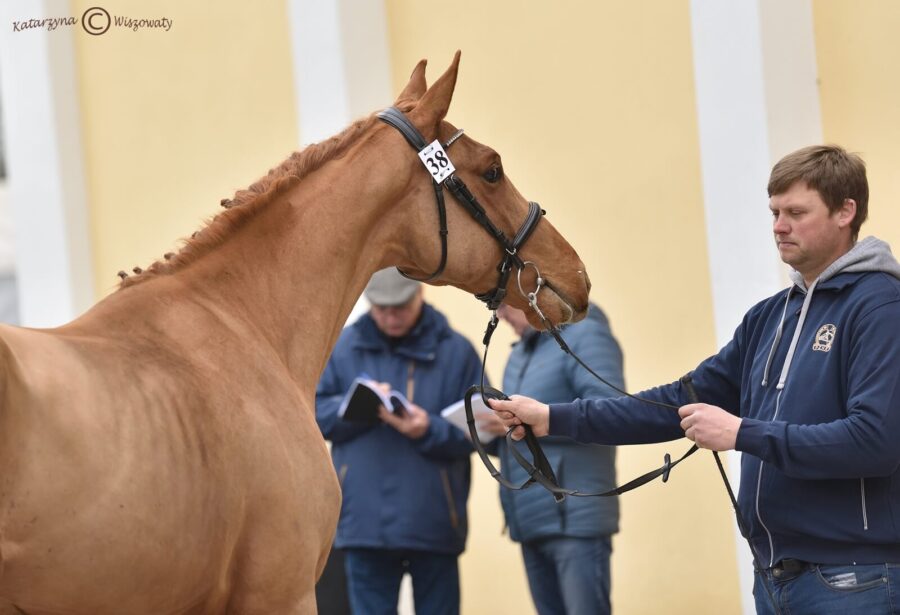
824	338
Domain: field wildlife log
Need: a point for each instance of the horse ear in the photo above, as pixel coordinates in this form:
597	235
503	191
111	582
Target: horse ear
416	86
434	103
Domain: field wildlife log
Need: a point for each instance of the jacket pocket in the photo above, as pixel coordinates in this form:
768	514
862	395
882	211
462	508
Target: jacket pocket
451	501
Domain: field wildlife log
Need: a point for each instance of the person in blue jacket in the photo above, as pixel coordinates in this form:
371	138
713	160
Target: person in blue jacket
566	547
405	479
808	389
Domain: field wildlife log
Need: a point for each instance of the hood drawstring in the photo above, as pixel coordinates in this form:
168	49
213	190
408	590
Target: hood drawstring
778	332
793	346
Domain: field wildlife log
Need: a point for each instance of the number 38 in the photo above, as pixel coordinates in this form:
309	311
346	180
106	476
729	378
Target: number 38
437	162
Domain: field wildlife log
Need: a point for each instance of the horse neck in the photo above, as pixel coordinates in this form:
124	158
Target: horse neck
304	262
290	276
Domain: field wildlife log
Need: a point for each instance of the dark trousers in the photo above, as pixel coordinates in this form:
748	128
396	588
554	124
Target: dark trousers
331	590
569	576
374	575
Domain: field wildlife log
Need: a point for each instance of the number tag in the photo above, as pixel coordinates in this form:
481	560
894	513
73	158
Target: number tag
436	161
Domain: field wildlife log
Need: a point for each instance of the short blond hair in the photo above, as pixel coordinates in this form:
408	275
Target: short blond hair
830	170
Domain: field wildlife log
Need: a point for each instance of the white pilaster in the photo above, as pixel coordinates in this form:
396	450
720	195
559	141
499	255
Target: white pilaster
755	74
341	68
41	119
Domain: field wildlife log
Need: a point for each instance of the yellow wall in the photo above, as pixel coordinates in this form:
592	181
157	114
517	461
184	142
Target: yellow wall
858	54
592	108
174	121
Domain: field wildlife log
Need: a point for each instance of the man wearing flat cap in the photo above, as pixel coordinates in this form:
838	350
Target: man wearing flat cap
404	478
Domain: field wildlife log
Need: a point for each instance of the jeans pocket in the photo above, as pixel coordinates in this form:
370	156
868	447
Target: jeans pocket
848	579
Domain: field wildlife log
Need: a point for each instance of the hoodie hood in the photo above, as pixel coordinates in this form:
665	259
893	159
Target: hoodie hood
866	256
869	255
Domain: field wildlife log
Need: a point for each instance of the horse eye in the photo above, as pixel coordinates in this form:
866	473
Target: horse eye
493	175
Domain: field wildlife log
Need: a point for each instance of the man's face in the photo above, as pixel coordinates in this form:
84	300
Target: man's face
398	320
808	236
515	317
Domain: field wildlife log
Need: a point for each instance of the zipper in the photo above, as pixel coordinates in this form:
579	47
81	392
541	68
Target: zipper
342	473
454	518
862	492
410	380
561	507
529	354
512	517
758	483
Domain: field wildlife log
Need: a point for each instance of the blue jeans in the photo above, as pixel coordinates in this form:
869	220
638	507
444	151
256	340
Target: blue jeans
870	589
374	575
569	576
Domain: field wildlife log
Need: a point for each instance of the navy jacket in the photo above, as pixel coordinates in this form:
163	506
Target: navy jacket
400	493
815	375
538	368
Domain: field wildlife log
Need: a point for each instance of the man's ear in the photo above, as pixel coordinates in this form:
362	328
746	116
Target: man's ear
847	213
416	86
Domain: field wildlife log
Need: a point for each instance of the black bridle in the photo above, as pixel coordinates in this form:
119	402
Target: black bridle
539	470
493	298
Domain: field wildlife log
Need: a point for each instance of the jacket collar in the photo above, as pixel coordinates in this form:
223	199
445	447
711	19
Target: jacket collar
421	343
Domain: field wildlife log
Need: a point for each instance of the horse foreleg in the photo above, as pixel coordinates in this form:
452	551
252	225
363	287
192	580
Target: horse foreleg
277	567
267	585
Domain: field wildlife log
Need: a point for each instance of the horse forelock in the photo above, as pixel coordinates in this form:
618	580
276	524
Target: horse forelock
246	203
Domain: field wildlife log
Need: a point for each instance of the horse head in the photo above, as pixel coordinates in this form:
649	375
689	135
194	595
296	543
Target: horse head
475	254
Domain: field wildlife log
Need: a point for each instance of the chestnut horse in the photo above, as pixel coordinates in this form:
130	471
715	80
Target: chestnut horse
160	454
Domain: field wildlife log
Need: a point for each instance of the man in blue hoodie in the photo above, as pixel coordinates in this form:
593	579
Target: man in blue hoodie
404	479
566	546
808	389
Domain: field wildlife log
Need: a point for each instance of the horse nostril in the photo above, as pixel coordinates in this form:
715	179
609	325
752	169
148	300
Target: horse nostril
587	282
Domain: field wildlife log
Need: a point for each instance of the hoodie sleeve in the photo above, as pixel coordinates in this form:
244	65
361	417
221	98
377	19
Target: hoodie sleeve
443	440
864	444
626	420
329	394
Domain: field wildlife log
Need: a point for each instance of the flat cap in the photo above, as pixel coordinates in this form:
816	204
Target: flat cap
387	287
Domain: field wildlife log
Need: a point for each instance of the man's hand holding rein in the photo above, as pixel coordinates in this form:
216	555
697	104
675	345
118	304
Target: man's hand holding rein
709	427
519	410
